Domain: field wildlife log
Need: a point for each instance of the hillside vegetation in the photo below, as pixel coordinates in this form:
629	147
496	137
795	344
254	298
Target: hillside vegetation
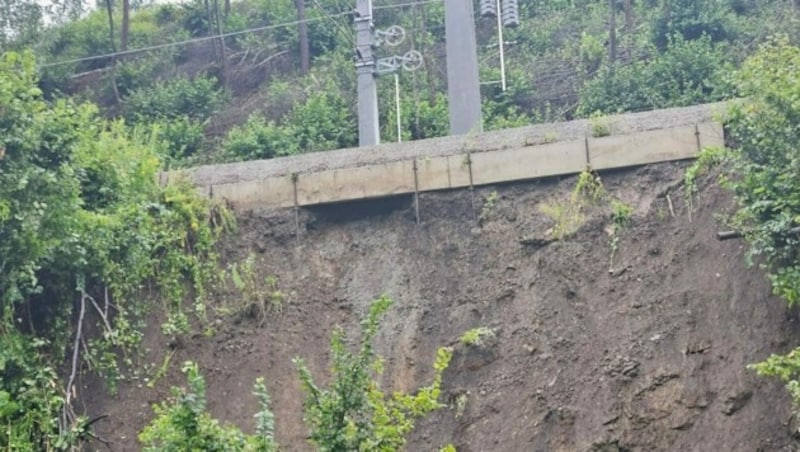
91	244
254	95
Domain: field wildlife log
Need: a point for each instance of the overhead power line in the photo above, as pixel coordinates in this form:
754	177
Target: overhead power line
327	16
346	32
188	41
401	5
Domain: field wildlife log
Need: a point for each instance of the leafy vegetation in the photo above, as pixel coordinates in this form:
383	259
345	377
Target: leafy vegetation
489	202
565	60
569	215
765	162
354	413
761	169
477	336
88	238
182	424
83	227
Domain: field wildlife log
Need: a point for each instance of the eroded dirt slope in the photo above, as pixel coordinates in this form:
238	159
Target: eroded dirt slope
647	352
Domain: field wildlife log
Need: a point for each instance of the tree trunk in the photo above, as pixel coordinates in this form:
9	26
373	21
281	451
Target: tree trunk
227	8
612	34
222	53
629	17
302	30
110	10
428	61
124	30
210	22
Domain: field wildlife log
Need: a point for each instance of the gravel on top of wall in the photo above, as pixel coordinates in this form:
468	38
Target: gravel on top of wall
436	147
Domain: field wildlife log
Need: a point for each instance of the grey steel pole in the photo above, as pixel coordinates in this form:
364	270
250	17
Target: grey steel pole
463	85
368	126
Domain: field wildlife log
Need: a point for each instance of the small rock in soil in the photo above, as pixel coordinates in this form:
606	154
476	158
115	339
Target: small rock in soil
736	402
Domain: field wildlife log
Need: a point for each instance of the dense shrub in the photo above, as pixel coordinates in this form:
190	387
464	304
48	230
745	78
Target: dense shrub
692	19
766	162
182	423
324	121
183	136
353	413
688	72
82	217
195	98
259	139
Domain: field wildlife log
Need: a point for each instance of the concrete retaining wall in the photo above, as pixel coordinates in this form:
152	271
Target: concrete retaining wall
513	155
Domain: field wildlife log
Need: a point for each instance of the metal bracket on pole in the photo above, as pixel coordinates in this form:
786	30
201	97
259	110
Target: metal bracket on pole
411	61
392	36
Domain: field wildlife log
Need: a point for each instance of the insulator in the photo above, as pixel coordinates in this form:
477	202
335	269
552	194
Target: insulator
510	13
488	8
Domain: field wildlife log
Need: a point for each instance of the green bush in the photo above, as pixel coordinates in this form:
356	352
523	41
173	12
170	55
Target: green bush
259	139
762	170
182	424
687	73
766	162
692	19
82	217
354	413
426	119
138	72
323	122
183	136
194	98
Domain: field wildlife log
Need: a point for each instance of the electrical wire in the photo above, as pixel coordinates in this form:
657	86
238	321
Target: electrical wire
180	43
348	33
328	16
401	5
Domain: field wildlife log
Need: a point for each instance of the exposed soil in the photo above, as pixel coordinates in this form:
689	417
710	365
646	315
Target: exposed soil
644	353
